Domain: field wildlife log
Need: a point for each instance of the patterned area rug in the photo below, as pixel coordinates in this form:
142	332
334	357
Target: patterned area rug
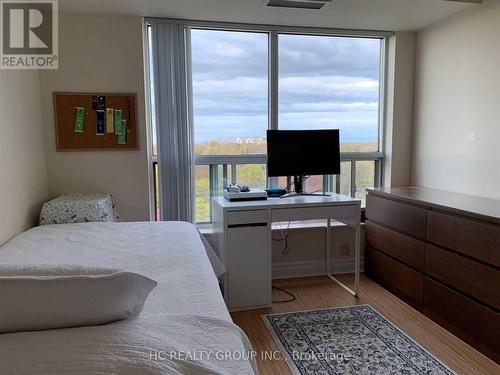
348	340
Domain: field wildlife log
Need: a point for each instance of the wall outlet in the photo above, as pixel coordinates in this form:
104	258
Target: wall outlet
345	250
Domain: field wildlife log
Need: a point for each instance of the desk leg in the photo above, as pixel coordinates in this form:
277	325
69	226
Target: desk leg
357	256
356	259
328	247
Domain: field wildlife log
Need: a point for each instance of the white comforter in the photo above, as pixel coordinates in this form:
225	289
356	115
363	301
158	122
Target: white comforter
184	327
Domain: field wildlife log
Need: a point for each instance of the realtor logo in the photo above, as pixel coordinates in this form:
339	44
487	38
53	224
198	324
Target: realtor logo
29	34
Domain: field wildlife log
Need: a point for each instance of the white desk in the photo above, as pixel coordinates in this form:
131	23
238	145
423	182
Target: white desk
242	239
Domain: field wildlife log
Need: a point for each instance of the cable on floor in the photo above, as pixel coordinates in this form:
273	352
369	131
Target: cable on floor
292	296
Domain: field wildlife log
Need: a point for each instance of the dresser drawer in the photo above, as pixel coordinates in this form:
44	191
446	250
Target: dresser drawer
470	321
476	239
404	248
472	278
403	217
396	277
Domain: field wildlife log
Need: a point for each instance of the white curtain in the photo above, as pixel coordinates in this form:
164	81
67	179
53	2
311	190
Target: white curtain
171	80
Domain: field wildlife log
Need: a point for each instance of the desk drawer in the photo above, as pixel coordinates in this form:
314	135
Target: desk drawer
247	217
314	213
396	277
472	278
404	248
400	216
476	239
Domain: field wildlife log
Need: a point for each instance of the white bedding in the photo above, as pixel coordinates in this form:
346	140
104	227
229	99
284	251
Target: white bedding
185	312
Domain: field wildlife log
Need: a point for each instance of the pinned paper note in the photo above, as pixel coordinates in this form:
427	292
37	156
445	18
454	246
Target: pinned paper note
98	102
79	118
100	123
122	136
110	120
118	121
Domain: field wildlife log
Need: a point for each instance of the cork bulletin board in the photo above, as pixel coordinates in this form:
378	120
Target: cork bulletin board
95	121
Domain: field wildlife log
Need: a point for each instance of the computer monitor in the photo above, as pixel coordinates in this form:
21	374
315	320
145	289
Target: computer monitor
300	153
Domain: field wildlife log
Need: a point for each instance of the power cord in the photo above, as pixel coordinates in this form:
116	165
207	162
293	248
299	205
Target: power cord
292	296
286	249
291	183
284	238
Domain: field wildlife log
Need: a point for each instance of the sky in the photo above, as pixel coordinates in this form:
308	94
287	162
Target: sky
324	83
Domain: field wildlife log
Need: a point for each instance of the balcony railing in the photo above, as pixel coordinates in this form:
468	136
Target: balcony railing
213	172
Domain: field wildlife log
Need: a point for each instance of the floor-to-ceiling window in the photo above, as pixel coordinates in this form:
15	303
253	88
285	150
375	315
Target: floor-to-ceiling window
318	81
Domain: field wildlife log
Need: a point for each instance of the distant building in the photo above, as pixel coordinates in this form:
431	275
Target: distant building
250	140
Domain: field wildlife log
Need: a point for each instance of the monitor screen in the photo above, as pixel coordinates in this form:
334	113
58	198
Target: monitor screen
303	152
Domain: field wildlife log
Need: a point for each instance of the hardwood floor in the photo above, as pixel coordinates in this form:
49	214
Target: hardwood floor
320	292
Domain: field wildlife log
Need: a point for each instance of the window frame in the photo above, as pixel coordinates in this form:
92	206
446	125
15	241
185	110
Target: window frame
273	32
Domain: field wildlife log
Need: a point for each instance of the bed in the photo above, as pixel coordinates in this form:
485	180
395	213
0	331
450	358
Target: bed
184	327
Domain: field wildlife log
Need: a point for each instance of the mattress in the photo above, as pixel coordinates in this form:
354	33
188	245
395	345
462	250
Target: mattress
184	327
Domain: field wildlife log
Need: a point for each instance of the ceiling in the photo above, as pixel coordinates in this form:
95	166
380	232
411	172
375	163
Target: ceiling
393	15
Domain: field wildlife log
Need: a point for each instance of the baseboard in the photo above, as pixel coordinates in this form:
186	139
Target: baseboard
309	268
306	268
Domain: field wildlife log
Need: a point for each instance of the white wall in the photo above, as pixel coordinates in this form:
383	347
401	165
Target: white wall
99	54
307	251
457	107
23	173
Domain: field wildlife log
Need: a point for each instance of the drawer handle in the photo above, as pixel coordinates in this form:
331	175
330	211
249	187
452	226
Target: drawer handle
247	225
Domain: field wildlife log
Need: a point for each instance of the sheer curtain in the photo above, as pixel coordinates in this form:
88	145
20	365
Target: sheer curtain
170	56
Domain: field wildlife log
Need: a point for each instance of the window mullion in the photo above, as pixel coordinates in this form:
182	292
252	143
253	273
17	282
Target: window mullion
233	173
273	93
353	178
273	80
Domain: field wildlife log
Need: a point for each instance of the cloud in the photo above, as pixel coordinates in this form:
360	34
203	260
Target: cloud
327	88
224	49
333	106
328	83
305	94
240	86
325	82
226	55
306	55
229	127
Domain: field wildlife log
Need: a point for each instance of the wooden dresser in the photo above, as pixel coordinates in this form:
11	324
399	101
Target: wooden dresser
440	253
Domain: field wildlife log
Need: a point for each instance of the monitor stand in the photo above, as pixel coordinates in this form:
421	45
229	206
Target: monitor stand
299	191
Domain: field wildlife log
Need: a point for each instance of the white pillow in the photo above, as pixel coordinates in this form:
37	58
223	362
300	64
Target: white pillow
47	297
